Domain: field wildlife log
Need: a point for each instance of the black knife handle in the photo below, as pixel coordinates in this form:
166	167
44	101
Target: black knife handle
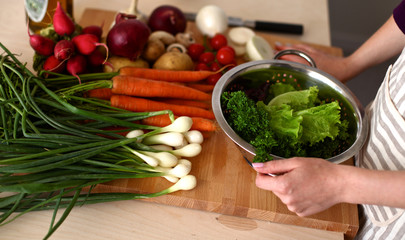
279	27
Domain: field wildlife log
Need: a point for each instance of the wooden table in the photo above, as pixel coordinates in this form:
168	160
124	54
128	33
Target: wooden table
146	220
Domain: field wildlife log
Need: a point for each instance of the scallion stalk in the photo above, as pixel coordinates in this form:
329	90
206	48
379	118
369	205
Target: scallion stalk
54	147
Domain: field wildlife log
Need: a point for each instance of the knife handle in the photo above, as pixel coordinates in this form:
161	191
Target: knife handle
279	27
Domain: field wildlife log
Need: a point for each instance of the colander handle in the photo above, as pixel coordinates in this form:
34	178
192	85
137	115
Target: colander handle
298	53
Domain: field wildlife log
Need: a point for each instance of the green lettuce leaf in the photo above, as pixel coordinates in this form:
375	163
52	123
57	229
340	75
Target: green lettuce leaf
280	88
320	122
298	100
283	121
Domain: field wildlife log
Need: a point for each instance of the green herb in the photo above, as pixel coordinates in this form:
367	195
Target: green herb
250	122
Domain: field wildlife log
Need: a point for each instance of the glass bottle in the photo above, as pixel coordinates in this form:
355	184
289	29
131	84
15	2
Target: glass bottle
39	12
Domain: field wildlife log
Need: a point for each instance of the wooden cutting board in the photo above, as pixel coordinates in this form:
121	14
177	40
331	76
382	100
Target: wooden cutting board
226	183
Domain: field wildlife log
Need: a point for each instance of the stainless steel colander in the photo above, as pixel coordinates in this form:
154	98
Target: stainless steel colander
301	76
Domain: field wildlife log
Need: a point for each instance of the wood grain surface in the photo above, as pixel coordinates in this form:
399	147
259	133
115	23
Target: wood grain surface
225	181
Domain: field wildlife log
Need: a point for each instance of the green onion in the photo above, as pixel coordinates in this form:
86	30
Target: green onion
54	146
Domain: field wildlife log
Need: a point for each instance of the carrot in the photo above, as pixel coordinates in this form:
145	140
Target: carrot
167	75
141	87
145	105
100	93
192	103
199	123
201	86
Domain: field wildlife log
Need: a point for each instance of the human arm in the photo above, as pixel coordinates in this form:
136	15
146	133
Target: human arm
310	185
384	44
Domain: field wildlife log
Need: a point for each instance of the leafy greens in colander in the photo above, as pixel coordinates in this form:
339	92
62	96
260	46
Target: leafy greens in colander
292	123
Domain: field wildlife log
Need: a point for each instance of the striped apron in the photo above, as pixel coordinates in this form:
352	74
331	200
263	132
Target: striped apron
385	150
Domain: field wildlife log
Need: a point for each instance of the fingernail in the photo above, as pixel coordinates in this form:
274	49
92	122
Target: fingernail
258	165
278	43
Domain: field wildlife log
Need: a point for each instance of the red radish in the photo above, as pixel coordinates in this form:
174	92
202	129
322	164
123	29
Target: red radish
87	43
64	49
52	64
98	58
41	45
95	30
77	64
62	23
128	37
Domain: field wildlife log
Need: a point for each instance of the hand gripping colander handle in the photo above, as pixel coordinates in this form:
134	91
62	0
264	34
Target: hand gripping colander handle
298	53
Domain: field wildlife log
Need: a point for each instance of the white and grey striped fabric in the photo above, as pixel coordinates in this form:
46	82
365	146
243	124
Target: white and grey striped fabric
385	150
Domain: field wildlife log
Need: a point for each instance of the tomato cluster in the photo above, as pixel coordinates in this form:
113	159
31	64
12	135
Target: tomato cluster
212	57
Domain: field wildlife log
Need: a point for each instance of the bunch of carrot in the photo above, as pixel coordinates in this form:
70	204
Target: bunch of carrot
145	90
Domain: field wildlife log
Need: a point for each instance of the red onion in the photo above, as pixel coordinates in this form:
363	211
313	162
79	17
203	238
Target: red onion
167	18
128	37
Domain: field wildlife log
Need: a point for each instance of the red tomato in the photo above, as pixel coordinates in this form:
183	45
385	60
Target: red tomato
202	67
215	66
195	50
213	79
230	48
218	41
225	56
206	57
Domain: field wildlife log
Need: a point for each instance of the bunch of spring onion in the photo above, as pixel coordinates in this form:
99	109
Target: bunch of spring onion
55	147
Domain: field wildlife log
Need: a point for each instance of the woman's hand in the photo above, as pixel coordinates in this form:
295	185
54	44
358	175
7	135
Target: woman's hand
336	66
306	185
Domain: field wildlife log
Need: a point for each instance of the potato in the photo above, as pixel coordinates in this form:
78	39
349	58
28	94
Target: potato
119	62
153	50
174	61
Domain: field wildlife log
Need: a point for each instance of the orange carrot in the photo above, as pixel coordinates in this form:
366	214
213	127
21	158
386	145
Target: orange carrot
100	93
201	86
192	103
141	87
145	105
167	75
199	123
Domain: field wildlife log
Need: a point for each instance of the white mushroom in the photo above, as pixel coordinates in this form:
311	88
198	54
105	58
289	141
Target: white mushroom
163	36
176	47
186	39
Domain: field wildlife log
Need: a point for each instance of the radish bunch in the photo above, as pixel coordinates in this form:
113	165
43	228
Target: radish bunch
74	50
